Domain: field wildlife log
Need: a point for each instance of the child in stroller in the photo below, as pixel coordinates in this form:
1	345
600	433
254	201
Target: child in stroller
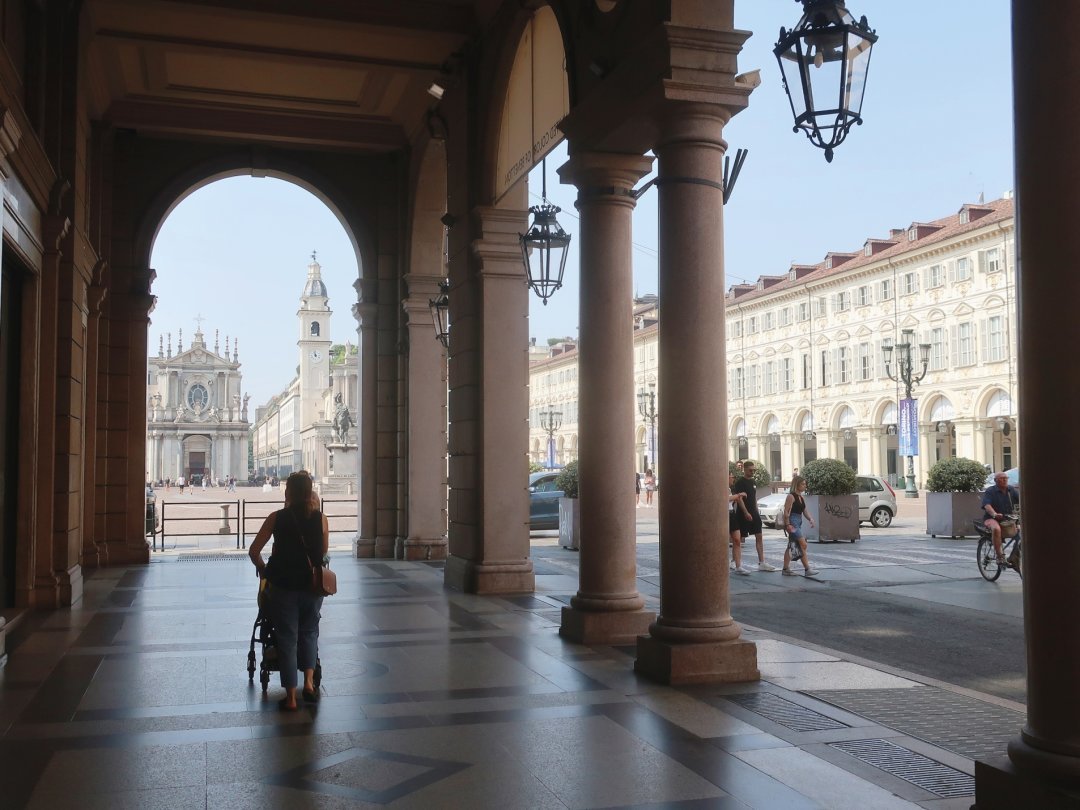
262	633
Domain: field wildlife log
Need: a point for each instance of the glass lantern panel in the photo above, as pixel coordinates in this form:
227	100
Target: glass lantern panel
858	59
793	70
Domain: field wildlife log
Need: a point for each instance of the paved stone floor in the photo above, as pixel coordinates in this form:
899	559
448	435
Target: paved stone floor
139	698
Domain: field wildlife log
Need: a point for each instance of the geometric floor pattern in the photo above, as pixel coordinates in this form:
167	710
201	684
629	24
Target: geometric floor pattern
139	698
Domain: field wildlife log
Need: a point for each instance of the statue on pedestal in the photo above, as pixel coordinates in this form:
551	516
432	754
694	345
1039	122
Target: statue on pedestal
342	419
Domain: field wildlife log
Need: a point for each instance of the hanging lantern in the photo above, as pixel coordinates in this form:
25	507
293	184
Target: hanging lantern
826	57
440	313
544	247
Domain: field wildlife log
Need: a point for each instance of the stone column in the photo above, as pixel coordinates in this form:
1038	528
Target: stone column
488	410
607	608
694	639
365	311
1045	758
426	518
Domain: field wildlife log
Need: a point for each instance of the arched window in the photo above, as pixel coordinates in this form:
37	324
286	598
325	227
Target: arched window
315	329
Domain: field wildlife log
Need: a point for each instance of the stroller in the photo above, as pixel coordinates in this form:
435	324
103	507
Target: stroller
262	633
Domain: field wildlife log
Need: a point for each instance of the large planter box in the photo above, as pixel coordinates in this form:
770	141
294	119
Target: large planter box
836	518
950	514
569	523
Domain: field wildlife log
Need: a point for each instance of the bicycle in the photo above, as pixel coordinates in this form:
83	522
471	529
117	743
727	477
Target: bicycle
987	559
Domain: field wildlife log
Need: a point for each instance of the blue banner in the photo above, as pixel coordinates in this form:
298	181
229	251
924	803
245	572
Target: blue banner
909	427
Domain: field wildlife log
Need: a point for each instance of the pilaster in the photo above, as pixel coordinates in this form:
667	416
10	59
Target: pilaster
488	410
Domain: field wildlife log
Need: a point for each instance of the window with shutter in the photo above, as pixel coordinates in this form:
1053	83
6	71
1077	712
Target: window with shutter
963	269
886	289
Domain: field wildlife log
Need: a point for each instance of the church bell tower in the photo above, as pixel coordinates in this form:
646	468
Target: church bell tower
314	343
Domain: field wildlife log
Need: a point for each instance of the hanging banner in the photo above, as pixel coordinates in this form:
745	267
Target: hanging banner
909	427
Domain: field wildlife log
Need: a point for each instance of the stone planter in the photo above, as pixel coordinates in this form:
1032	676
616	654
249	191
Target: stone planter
836	518
569	523
950	514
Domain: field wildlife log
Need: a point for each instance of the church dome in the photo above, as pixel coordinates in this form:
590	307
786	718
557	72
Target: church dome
314	287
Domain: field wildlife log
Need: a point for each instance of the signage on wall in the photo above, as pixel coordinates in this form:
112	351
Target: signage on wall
909	427
537	99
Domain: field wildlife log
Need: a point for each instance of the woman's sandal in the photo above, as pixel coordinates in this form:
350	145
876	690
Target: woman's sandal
311	695
284	706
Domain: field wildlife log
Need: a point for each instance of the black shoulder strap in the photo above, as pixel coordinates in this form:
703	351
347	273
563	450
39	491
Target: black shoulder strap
302	536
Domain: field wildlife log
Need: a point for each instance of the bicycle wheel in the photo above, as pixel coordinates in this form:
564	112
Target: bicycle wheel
986	559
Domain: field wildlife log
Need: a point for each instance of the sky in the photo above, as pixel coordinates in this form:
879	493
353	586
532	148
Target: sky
937	134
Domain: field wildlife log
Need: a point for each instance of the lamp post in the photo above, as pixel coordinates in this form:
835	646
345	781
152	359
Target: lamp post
646	401
826	56
551	421
906	373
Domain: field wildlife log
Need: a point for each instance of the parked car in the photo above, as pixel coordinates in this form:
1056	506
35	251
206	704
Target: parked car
771	508
543	501
1014	478
877	500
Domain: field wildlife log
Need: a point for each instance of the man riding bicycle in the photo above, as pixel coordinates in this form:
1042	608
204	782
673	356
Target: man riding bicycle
999	501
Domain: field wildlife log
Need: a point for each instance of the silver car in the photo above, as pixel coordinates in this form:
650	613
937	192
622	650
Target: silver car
771	508
877	500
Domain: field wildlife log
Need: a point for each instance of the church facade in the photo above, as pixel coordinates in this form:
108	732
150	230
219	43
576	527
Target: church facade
297	427
197	423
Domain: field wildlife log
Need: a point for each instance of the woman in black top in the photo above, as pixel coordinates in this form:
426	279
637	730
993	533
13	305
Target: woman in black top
301	539
794	513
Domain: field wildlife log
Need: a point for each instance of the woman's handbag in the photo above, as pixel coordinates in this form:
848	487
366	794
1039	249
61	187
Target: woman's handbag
323	581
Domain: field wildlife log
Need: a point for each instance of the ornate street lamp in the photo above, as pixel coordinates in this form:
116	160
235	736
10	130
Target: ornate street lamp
646	402
551	421
826	56
544	246
905	373
440	313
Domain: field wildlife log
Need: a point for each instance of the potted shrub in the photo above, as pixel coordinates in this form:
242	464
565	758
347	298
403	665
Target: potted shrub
830	484
569	513
954	488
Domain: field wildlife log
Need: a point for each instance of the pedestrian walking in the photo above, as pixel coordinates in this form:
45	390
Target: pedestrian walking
737	514
204	482
794	514
168	484
650	487
752	525
637	490
180	482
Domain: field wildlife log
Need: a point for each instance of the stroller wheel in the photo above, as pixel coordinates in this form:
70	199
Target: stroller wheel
251	665
264	679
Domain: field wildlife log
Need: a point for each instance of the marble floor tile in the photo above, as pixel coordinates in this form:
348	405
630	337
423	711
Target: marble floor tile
107	770
181	798
822	675
828	784
693	715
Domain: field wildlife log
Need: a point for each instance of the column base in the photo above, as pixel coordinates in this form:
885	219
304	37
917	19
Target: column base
711	662
470	576
364	547
421	548
385	546
70	586
1000	785
119	554
608	627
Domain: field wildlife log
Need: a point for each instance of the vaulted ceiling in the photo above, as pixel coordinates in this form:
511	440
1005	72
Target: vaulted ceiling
331	73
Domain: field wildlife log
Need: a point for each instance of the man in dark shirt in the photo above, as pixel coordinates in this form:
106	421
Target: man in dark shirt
999	501
752	526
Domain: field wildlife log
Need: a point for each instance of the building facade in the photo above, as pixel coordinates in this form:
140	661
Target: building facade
196	417
292	430
807	376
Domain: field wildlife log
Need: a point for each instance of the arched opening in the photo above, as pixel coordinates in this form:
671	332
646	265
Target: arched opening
245	311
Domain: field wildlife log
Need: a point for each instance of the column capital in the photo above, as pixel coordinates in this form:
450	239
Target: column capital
604	173
423	286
